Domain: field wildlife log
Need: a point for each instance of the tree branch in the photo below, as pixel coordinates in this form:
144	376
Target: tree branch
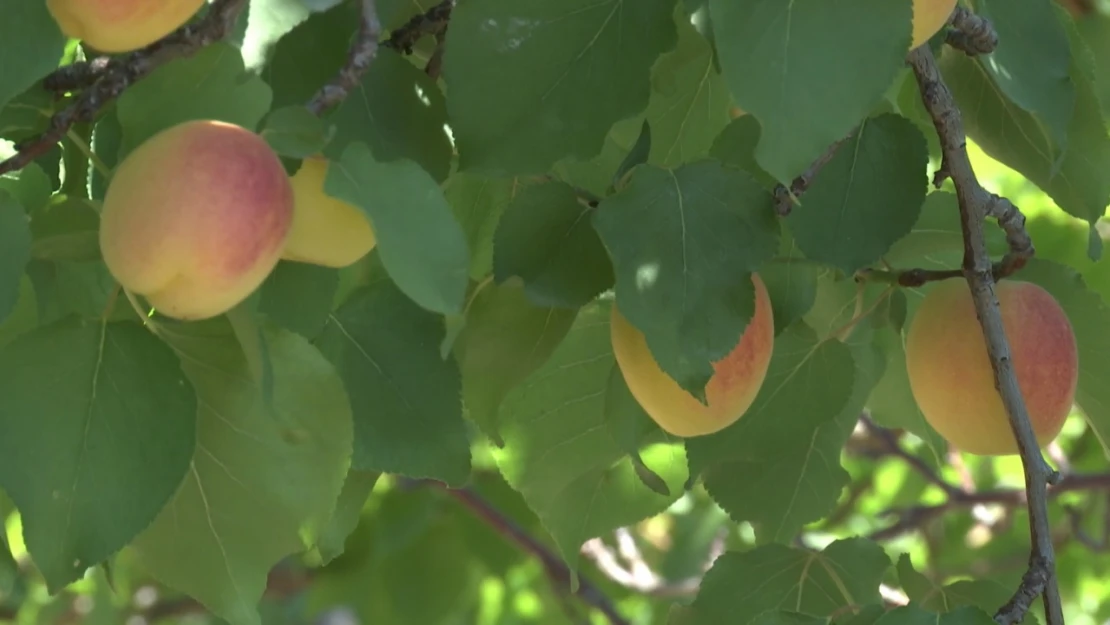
431	22
635	573
785	197
107	79
971	33
976	204
556	568
359	58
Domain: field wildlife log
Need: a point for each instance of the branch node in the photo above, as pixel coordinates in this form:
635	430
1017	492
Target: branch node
971	33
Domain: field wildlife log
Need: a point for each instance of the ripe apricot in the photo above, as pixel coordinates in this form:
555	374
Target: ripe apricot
950	371
115	26
929	16
731	390
195	218
326	230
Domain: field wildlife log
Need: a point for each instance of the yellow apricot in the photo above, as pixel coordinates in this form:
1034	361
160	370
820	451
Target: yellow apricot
115	26
950	372
326	230
731	390
929	16
195	218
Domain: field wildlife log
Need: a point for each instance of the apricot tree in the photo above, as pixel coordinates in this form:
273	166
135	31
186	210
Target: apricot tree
505	312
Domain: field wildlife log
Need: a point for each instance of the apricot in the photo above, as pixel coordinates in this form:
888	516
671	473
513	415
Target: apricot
115	26
326	230
950	372
929	16
731	390
195	218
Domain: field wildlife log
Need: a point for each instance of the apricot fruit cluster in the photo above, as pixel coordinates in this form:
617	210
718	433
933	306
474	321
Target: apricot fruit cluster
950	372
197	216
115	26
729	394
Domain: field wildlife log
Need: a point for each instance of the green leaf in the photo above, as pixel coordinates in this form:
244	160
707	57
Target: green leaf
808	383
345	518
626	420
936	241
310	55
1089	317
925	593
866	198
30	186
808	70
211	84
265	476
505	339
533	81
741	586
682	242
478	203
96	433
406	399
559	454
85	288
295	132
298	296
736	145
892	403
914	615
547	239
1035	78
1078	183
792	286
399	112
636	156
15	251
269	20
31	45
789	463
68	230
420	242
24	317
689	101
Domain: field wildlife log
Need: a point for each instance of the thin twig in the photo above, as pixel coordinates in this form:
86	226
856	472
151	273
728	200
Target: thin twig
784	197
553	564
431	22
890	443
117	75
359	58
635	574
976	204
913	518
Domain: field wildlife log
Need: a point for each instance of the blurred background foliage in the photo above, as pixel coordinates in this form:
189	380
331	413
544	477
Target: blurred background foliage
420	556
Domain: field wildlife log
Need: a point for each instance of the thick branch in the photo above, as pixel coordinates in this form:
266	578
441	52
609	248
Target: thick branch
976	204
108	79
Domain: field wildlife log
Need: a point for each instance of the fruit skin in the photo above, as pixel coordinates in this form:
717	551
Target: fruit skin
326	230
121	25
950	372
731	390
195	218
929	16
